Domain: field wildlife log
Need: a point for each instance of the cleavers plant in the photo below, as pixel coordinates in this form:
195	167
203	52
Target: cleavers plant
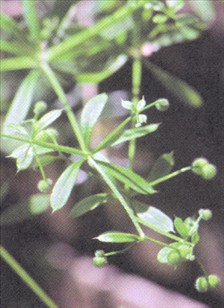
38	142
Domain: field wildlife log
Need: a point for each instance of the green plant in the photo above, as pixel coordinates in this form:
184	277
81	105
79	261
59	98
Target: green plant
55	57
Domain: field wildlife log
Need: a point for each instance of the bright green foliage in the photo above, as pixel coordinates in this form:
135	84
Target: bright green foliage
71	54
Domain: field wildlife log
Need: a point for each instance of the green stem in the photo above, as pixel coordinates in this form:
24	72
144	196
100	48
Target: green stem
58	148
170	176
29	281
147	238
61	95
112	136
202	267
118	195
118	252
39	164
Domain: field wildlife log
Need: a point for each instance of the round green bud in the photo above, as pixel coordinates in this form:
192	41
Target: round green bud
209	171
198	164
99	253
40	107
52	132
185	252
213	281
43	185
100	261
205	214
174	258
201	284
162	105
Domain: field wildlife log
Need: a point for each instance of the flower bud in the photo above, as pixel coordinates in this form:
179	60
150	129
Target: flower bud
43	185
213	281
198	164
162	104
100	261
205	214
174	258
40	107
201	284
209	171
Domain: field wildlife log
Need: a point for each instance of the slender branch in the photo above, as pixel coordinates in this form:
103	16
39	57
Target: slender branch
61	95
118	195
170	176
29	281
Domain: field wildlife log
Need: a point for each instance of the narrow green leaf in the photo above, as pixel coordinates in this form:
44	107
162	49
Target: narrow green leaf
84	35
163	166
117	237
90	114
108	70
179	88
10	26
36	205
128	177
155	217
135	133
181	227
24	156
17	63
16	114
31	17
88	204
14	48
48	119
64	185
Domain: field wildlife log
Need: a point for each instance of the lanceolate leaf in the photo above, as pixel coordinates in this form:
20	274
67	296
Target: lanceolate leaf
134	133
24	156
23	97
155	217
64	185
91	113
128	177
17	63
88	204
117	237
48	119
176	86
163	165
11	27
30	14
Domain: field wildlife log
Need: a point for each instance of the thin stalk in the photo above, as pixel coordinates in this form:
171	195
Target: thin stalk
29	281
112	136
39	164
147	238
118	252
136	85
54	147
170	176
118	195
202	267
61	95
